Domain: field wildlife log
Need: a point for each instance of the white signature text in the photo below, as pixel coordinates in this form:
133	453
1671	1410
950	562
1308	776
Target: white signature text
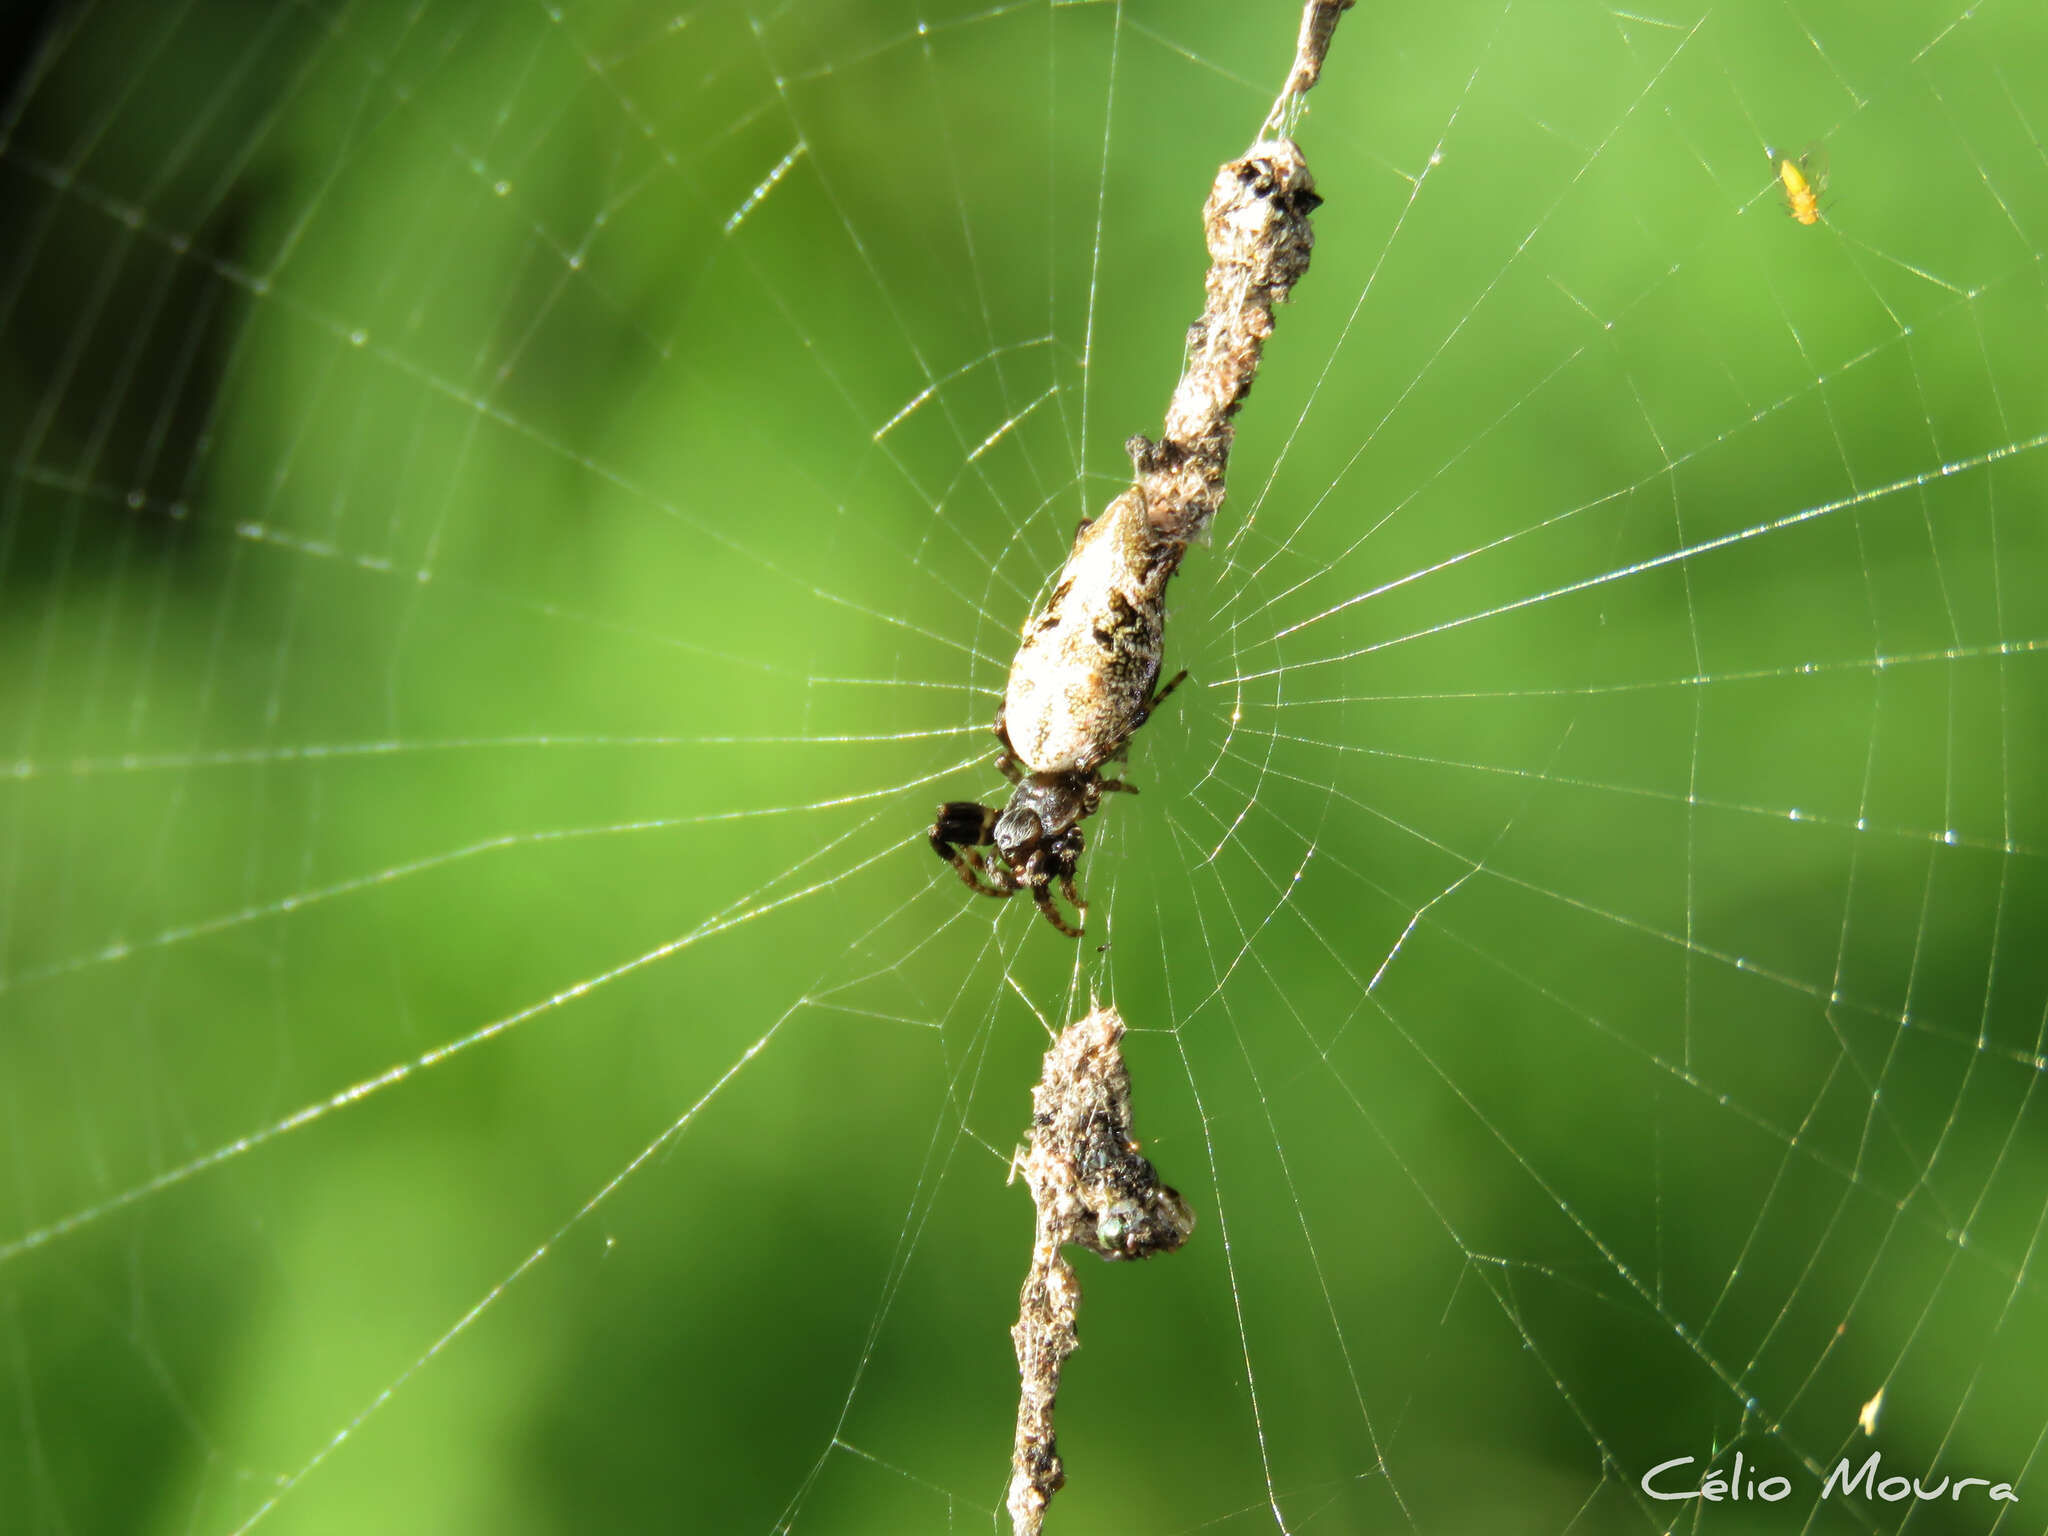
1743	1483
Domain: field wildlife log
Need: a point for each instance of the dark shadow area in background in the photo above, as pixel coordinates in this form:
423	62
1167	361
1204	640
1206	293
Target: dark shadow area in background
116	348
22	30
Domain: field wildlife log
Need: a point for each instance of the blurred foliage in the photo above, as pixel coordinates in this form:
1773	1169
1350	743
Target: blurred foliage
481	637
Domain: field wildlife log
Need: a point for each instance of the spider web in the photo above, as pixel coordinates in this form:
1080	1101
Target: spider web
514	516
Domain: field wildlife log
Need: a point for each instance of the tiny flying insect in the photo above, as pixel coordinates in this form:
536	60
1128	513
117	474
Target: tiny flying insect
1804	179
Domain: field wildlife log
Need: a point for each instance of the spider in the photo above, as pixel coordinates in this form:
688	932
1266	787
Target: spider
1038	834
1083	681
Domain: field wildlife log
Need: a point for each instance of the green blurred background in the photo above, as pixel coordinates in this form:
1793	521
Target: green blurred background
514	515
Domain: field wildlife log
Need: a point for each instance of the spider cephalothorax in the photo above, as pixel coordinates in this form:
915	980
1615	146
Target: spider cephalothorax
1037	836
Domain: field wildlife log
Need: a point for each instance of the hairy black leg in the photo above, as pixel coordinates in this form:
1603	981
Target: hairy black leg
968	823
1159	697
962	821
1073	895
1006	760
973	869
1042	894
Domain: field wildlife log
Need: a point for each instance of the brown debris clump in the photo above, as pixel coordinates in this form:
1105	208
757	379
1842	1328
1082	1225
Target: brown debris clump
1091	1187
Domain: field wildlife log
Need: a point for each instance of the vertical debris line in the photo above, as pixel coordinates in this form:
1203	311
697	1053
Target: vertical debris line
1089	1183
1091	1187
1256	225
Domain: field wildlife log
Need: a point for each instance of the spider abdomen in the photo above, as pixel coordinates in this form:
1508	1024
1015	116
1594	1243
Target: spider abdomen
1083	677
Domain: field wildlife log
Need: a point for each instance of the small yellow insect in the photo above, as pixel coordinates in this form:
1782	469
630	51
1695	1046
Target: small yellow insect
1804	180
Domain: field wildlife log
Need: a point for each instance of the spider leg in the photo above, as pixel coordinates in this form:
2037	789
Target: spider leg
962	821
1116	786
965	823
1006	760
1042	894
1122	754
1073	895
973	869
1060	858
1159	698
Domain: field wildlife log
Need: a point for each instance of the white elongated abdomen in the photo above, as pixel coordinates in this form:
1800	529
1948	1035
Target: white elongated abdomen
1089	658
